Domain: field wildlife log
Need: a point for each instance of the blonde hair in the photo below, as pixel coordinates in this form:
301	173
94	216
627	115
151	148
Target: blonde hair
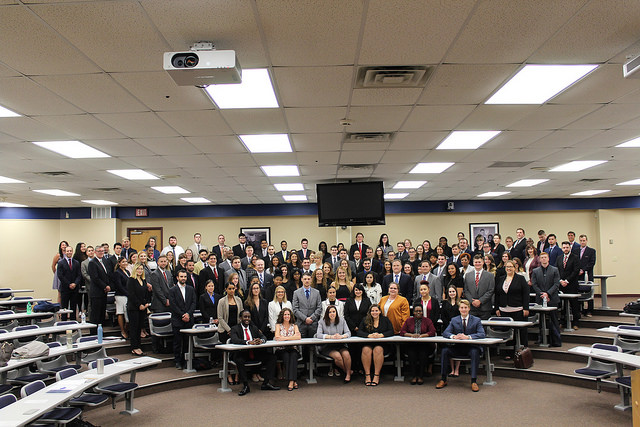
284	298
135	268
336	285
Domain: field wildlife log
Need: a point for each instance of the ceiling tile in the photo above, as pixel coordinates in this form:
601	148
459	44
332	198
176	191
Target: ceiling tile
24	96
377	119
217	144
316	141
607	117
255	121
168	146
196	123
413	140
314	120
80	126
550	117
28	129
318	157
601	86
385	96
495	117
363	157
137	125
313	86
443	117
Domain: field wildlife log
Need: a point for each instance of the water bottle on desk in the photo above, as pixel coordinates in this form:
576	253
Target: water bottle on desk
29	308
83	317
100	332
544	302
69	339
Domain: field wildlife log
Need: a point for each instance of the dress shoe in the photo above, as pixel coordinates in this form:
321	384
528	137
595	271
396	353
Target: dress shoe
441	384
245	390
575	327
269	386
178	365
474	387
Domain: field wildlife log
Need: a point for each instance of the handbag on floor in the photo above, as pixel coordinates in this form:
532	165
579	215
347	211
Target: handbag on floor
523	358
5	353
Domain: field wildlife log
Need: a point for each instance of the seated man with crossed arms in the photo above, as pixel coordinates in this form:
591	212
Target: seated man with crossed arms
462	327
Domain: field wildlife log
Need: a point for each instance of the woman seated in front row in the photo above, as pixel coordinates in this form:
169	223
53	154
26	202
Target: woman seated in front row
375	325
332	326
418	326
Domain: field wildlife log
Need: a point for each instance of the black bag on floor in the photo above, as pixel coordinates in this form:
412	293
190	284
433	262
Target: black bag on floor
523	358
201	364
632	307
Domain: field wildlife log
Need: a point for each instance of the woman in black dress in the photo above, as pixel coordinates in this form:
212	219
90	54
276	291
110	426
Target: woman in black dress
373	326
139	300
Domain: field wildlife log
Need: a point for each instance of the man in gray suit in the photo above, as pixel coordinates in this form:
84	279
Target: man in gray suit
307	307
435	283
344	255
226	261
161	280
545	281
479	286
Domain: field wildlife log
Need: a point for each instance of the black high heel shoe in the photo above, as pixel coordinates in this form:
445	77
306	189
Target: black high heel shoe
367	383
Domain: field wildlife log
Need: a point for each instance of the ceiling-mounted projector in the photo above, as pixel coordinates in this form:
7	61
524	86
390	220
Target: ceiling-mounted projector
203	67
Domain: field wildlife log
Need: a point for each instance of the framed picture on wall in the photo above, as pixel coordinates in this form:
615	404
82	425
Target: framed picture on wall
485	229
256	234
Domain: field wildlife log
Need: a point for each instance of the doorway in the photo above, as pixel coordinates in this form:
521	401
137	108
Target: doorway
140	236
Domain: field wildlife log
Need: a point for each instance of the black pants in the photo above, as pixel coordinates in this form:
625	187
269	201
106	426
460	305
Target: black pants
180	343
573	302
136	320
418	357
554	329
267	358
69	300
97	309
290	360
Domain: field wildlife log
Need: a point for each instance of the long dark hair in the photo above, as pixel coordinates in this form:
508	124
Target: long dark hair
280	319
368	320
60	247
327	320
78	254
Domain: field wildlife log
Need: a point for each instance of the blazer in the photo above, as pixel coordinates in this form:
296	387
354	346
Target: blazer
301	254
180	306
267	280
303	307
518	250
208	308
435	286
274	312
260	315
398	312
405	285
119	280
569	273
237	334
484	291
354	248
587	261
426	327
339	328
546	280
518	295
223	312
207	274
283	256
137	295
434	314
99	279
362	273
68	275
238	251
354	315
338	304
160	290
384	327
499	250
242	278
448	312
127	252
196	253
474	327
193	280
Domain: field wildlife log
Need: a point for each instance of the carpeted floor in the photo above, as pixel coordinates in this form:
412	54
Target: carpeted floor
510	402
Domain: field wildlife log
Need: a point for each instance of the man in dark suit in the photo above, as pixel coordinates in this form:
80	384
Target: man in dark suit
70	277
545	281
543	241
568	269
587	260
127	250
219	249
553	250
305	252
246	333
401	252
435	283
455	256
462	327
192	277
182	304
520	245
246	261
99	287
575	246
211	272
236	267
241	248
161	280
283	254
265	279
479	287
405	286
366	268
358	246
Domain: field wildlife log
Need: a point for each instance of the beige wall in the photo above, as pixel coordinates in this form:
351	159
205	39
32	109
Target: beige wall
38	239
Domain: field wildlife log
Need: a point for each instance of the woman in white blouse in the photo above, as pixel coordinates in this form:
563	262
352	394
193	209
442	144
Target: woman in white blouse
332	300
372	289
275	307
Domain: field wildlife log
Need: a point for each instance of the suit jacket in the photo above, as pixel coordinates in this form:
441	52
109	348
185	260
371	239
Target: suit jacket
434	271
426	327
196	252
68	275
546	281
575	248
301	254
434	314
352	265
398	312
238	251
518	295
242	278
160	290
179	306
119	281
127	252
474	327
402	256
360	276
208	308
207	274
499	250
542	246
518	250
354	315
554	253
215	249
484	292
457	262
587	261
405	286
223	312
267	281
303	307
354	248
99	279
244	262
569	273
435	286
237	334
283	257
260	316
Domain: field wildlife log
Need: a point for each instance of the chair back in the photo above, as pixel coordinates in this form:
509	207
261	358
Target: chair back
107	361
160	324
65	322
6	312
5	292
31	388
54	344
6	400
65	373
504	333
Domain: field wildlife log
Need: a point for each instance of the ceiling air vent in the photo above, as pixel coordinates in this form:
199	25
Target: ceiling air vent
509	164
369	137
54	173
591	179
361	167
108	189
392	77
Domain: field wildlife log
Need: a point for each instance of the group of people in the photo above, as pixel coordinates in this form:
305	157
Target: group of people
331	293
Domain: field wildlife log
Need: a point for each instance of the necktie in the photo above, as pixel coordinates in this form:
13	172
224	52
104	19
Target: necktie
248	338
198	247
102	264
307	293
70	268
464	326
424	277
582	252
261	279
165	275
215	272
396	280
477	278
564	262
174	252
193	281
360	249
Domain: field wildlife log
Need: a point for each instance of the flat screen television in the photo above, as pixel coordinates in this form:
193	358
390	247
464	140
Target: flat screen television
358	203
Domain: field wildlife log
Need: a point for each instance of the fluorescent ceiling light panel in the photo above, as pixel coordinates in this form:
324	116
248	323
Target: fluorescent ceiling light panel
255	91
134	174
577	165
409	184
494	194
527	182
431	167
289	187
56	192
634	143
632	182
195	200
395	196
5	112
5	180
535	84
73	149
467	139
281	170
589	192
99	202
171	189
270	143
11	205
295	197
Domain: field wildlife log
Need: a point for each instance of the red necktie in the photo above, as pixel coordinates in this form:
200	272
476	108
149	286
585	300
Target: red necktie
215	273
70	267
165	275
360	249
477	278
248	338
464	324
194	282
564	263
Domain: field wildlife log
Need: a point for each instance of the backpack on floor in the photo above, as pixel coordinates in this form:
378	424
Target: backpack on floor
632	307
